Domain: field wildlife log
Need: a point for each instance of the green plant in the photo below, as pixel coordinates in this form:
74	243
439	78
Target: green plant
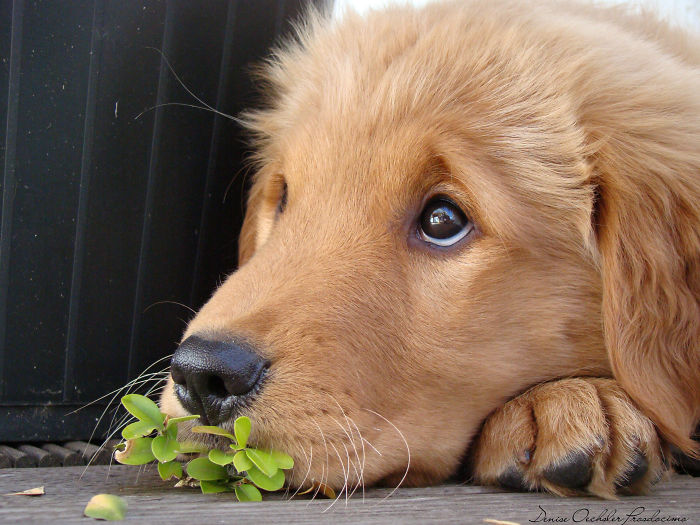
106	507
242	469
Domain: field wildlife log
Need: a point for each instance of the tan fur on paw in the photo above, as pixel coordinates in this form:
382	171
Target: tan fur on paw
570	436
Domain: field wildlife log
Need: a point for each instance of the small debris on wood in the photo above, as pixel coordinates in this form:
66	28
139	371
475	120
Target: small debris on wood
36	491
319	488
187	482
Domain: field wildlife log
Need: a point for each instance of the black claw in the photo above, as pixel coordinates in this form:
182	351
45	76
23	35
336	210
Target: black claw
573	472
636	471
513	479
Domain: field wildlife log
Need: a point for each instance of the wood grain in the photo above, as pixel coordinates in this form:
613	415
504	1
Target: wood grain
154	501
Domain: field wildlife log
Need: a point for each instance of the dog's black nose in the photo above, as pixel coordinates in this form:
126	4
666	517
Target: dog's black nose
213	378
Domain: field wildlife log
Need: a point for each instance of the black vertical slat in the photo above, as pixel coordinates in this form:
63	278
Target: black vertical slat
254	32
55	44
5	48
150	181
220	123
126	86
193	49
11	45
84	185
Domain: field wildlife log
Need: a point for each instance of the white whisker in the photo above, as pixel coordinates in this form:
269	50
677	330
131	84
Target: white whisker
308	470
142	379
371	445
408	451
350	437
325	470
169	302
347	481
361	481
345	475
189	91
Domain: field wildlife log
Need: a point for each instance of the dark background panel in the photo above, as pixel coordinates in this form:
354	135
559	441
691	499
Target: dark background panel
10	38
117	181
52	84
5	46
193	48
256	27
126	204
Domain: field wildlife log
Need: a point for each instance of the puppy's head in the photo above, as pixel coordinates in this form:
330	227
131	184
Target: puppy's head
446	212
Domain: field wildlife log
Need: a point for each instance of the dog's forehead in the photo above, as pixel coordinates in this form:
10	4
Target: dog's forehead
379	114
344	153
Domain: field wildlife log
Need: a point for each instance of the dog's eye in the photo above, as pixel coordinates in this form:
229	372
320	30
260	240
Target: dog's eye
282	203
443	223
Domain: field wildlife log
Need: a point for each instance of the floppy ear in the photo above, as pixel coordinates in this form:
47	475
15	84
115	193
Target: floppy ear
648	228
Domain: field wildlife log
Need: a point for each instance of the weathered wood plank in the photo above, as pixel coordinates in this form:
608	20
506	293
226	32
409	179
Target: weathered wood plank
154	501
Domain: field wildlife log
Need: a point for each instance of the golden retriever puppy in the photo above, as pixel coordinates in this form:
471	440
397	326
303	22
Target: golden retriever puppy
474	231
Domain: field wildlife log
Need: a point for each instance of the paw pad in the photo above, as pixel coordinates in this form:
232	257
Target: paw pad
513	479
573	472
639	466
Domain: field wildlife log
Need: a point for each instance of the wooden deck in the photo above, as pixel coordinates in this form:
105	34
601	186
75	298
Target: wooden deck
151	500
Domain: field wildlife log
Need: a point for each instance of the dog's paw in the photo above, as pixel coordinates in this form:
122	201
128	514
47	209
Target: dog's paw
571	436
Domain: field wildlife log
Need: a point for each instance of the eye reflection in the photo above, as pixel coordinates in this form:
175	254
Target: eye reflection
443	223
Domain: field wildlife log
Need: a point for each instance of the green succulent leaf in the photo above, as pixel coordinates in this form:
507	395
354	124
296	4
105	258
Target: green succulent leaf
171	432
106	507
217	431
174	421
138	429
213	487
264	469
269	483
170	469
263	460
247	492
190	447
144	409
241	461
220	457
241	427
137	452
164	448
204	470
284	461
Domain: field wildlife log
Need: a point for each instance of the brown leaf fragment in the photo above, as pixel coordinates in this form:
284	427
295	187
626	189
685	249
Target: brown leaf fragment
187	481
36	491
319	488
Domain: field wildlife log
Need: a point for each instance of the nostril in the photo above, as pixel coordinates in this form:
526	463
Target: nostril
239	385
217	387
177	375
212	377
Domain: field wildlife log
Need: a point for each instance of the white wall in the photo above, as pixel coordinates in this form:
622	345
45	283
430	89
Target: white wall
685	12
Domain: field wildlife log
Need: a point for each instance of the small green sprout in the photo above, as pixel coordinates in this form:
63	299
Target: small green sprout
106	507
242	469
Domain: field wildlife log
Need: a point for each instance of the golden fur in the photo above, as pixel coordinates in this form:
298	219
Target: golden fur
571	136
